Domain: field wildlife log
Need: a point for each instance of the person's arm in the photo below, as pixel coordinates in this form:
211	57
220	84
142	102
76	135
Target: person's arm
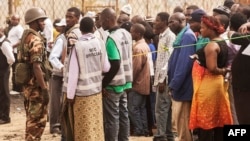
137	63
36	55
55	55
244	28
39	74
8	52
115	65
48	32
184	63
73	75
114	59
239	38
19	34
164	63
105	61
151	64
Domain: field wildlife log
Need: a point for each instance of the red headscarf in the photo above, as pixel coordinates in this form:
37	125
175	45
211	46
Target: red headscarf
213	23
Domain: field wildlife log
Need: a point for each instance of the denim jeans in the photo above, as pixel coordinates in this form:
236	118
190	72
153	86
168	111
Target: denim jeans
163	115
55	101
116	121
138	112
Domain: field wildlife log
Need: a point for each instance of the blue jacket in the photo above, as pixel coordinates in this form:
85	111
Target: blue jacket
180	68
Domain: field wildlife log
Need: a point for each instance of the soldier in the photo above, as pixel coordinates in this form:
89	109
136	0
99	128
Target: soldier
35	91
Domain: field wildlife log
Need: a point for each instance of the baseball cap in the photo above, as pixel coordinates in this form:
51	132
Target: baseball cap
127	9
90	14
228	3
61	23
222	10
126	25
197	14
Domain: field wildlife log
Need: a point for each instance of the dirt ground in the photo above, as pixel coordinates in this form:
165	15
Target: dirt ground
14	131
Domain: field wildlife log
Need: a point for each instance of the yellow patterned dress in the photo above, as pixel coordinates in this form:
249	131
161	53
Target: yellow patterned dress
210	105
88	118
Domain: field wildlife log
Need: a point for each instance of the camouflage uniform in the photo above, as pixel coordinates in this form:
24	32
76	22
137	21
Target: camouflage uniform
34	102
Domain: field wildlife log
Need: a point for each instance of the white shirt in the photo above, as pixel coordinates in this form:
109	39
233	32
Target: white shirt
166	40
48	32
56	52
15	34
7	51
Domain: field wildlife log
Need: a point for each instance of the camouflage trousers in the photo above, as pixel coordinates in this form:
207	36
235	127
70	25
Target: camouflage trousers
36	113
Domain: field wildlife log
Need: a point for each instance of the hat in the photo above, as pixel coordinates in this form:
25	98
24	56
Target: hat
90	14
228	3
222	10
197	14
61	23
127	9
149	19
126	25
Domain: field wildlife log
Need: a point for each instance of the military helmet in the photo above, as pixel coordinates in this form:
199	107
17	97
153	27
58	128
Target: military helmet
33	14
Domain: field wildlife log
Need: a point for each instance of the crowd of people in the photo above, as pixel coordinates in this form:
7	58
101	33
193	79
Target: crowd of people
108	76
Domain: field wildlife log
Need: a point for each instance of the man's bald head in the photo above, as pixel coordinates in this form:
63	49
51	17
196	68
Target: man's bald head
15	19
137	31
178	16
15	16
109	13
177	22
139	28
108	18
137	19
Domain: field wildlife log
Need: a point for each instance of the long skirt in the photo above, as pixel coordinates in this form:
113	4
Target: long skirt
210	104
88	118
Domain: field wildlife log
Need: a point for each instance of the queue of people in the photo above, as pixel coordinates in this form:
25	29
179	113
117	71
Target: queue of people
111	76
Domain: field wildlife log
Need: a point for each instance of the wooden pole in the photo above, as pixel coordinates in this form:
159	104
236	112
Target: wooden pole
147	8
10	7
116	6
83	9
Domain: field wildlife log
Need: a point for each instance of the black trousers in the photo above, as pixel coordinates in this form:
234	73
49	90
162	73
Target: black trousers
55	102
4	94
215	134
241	102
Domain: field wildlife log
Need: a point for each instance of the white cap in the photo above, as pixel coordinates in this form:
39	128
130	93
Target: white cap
90	14
61	23
127	9
149	19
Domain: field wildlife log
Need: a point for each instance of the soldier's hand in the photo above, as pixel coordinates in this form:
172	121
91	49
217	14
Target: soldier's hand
45	94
